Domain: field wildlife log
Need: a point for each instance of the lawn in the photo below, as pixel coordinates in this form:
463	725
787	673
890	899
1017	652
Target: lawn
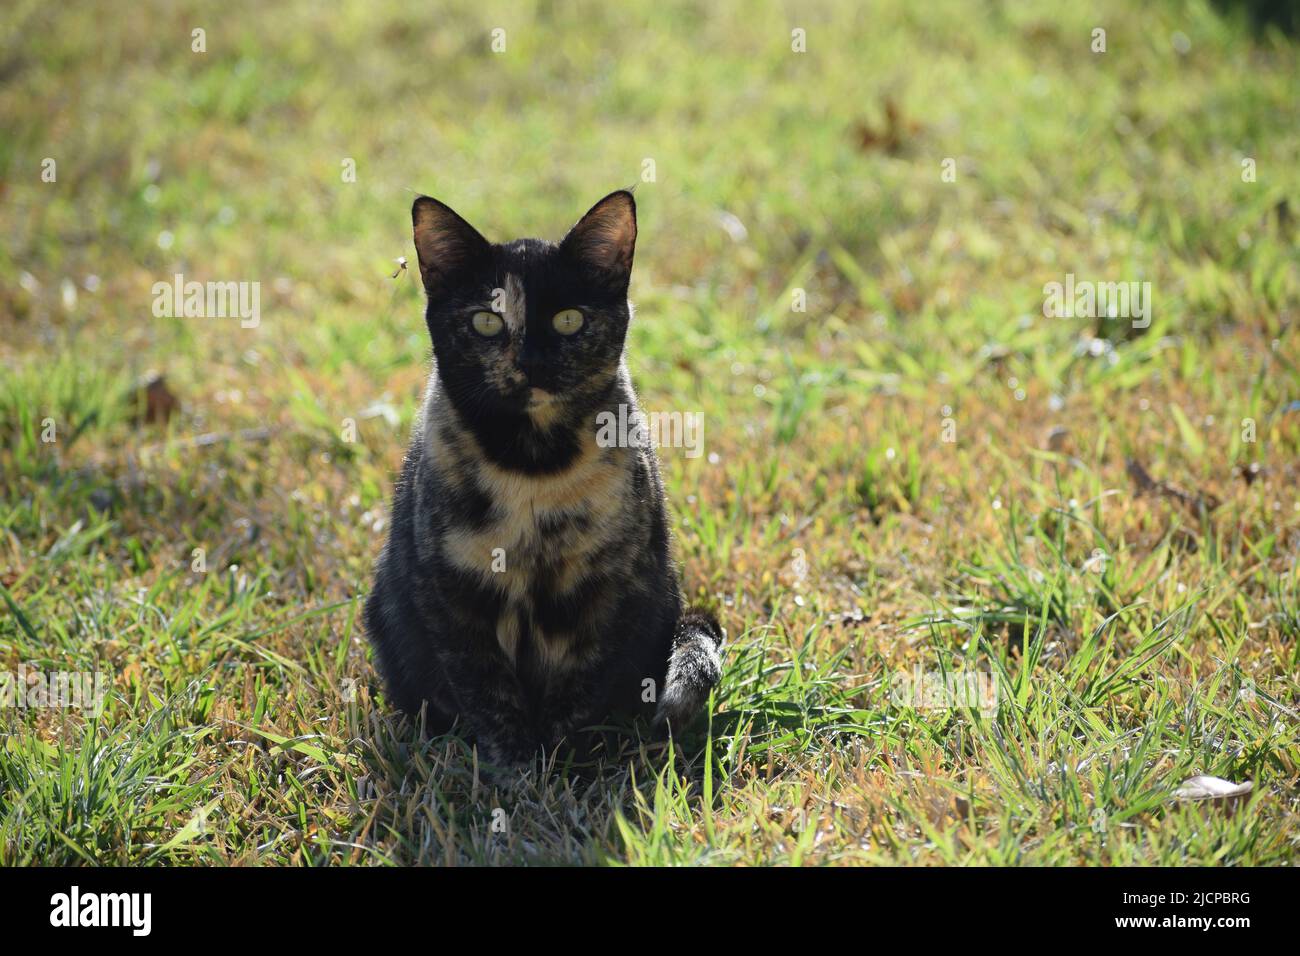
913	480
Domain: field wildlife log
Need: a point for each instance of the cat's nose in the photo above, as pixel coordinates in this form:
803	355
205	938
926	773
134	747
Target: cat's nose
531	363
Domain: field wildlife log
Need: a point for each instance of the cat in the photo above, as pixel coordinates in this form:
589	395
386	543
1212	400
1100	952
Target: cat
526	590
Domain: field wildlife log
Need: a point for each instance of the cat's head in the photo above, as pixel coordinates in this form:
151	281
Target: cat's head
527	328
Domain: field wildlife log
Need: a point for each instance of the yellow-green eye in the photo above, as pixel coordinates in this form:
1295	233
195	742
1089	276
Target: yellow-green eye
487	324
567	322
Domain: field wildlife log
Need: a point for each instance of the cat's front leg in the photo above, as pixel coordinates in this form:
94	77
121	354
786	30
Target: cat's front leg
491	706
573	703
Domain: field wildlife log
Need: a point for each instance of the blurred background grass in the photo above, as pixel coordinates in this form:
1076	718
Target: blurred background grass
830	520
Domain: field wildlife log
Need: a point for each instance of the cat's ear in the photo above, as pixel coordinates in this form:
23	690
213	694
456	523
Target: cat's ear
445	244
604	239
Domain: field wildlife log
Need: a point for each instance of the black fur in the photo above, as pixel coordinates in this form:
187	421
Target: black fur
527	589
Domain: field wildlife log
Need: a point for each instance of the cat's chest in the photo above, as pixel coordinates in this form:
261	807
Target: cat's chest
539	543
536	524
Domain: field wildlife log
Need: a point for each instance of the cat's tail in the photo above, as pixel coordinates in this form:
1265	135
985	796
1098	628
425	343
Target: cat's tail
694	668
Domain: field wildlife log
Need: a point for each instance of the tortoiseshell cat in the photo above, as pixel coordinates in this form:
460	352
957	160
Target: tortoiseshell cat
526	590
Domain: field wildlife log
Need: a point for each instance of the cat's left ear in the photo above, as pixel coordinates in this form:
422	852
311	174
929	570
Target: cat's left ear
444	243
604	240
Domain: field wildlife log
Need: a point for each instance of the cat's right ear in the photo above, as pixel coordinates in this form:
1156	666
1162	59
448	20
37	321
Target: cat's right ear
445	244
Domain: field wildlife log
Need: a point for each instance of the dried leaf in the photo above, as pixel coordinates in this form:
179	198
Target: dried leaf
1249	473
1056	438
155	403
897	130
1146	485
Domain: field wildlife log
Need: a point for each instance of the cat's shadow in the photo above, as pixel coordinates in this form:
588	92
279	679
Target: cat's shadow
436	800
606	753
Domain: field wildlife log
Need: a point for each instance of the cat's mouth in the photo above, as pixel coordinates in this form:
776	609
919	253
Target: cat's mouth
543	407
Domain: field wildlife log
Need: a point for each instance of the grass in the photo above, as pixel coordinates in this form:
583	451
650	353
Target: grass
212	565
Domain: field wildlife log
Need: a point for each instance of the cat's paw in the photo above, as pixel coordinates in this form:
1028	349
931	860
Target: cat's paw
507	759
507	778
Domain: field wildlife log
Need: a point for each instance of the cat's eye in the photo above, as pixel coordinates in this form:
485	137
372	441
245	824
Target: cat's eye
567	322
487	324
